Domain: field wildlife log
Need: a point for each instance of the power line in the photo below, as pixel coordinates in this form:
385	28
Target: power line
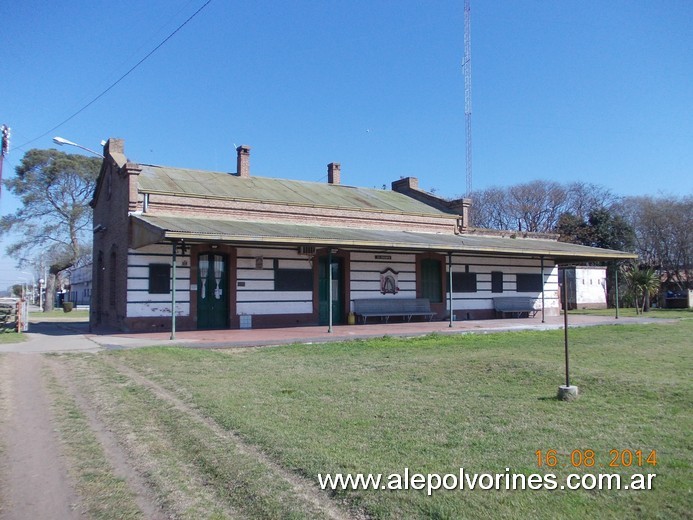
121	78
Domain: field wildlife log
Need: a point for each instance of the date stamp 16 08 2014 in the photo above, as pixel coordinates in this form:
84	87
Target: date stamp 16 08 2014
625	458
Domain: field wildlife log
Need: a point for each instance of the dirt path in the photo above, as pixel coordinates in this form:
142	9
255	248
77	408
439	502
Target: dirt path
122	466
35	483
47	455
302	488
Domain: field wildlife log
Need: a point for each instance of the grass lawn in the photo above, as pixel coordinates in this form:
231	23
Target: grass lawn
59	313
436	404
629	312
11	337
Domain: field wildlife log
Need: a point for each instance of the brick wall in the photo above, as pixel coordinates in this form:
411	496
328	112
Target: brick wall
258	211
111	204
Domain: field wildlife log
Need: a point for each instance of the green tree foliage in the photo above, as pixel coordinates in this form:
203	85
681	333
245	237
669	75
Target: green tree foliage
602	228
642	285
54	220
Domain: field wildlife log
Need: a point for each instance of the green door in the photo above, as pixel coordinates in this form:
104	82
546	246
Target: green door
212	292
431	282
337	291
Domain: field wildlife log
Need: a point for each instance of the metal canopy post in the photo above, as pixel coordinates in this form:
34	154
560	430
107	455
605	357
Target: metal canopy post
616	274
173	290
565	327
566	392
329	290
452	317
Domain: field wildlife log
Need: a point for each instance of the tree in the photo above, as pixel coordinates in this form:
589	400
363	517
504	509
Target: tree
664	236
602	228
489	209
55	217
584	197
537	205
642	283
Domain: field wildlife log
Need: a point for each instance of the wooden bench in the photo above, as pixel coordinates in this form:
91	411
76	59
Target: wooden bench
515	305
387	307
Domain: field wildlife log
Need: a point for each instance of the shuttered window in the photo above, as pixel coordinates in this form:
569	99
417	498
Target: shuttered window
529	283
293	280
463	282
159	278
497	281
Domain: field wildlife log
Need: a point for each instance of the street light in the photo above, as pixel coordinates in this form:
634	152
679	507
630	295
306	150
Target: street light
33	284
40	290
61	141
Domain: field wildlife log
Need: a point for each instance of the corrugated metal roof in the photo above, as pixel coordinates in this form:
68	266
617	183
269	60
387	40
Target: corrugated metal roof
150	229
200	183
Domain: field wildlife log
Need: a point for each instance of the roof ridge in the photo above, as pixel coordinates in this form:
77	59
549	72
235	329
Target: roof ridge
219	185
262	177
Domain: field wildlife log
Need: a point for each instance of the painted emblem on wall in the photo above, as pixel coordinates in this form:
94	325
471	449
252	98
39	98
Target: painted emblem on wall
388	281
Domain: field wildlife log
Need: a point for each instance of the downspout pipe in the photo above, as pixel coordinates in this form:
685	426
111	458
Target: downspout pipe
174	250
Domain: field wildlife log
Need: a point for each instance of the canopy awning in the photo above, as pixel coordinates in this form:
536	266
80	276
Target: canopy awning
151	229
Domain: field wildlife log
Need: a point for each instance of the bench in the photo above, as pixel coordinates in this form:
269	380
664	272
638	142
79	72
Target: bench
515	305
387	307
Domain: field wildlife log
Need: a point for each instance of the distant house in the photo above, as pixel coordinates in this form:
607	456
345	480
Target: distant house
242	250
80	285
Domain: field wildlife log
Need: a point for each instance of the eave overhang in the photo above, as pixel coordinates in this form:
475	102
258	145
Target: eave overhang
149	229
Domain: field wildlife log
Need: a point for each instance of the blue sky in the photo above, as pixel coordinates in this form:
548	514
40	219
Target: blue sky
567	90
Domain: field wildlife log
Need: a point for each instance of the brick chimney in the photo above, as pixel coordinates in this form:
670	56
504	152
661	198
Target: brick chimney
333	173
114	146
243	161
406	184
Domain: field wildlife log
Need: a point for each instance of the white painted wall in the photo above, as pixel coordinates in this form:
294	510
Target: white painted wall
255	283
510	267
590	287
140	303
255	286
366	269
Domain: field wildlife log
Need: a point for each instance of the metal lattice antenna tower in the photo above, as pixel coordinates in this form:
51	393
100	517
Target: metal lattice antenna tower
468	92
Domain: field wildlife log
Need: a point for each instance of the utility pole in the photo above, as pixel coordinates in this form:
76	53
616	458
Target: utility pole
4	148
468	92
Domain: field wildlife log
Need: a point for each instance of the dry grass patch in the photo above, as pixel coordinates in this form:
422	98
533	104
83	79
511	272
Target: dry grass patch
103	494
195	472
